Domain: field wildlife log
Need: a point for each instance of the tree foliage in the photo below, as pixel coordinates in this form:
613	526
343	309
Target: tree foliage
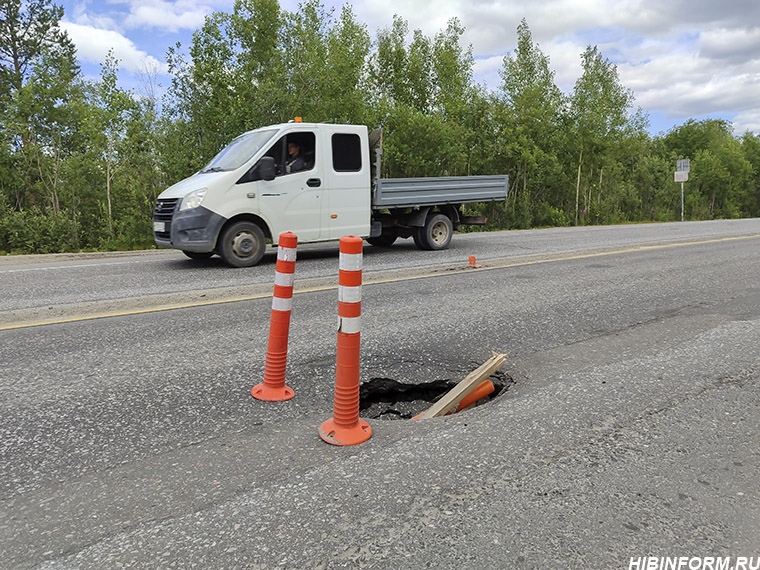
81	162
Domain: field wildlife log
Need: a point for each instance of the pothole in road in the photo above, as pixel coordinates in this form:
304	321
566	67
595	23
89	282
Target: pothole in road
388	399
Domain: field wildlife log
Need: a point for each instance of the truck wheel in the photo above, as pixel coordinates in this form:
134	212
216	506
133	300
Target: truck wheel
198	255
242	244
385	239
436	234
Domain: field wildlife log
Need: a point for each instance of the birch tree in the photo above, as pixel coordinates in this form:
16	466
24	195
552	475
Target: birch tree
600	108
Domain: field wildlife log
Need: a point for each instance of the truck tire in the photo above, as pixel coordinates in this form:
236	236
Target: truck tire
385	239
436	234
242	244
198	255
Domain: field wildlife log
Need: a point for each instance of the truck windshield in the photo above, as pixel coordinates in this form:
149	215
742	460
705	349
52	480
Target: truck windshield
239	151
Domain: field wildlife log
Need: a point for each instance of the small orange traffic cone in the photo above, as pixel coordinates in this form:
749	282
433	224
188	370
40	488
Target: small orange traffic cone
273	389
345	427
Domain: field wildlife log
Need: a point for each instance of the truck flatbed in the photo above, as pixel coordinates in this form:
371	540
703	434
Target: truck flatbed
392	193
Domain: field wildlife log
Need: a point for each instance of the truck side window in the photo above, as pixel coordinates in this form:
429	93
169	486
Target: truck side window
294	152
346	153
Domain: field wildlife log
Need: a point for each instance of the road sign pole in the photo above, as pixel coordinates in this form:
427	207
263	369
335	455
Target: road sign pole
682	175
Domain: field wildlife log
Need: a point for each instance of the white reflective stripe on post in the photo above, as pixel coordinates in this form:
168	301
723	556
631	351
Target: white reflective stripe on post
349	325
279	304
349	294
286	253
284	279
350	261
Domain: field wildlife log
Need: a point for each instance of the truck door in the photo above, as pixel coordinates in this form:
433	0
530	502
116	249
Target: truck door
348	199
293	200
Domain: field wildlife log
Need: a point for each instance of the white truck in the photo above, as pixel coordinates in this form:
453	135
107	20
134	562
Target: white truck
249	194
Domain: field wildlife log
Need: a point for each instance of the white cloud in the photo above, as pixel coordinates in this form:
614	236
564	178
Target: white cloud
170	16
692	84
747	121
81	15
93	45
491	25
736	45
681	57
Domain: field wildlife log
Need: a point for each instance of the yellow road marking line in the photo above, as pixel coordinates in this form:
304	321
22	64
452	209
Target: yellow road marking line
379	282
557	259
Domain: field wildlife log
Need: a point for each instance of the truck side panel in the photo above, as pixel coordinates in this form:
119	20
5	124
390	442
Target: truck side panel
408	192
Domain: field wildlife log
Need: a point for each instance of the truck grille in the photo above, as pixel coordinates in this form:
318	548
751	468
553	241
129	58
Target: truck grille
163	212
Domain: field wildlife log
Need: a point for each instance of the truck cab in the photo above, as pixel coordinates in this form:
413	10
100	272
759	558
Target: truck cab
309	178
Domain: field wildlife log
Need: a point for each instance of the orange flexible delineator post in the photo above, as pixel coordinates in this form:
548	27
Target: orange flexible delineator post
273	389
345	427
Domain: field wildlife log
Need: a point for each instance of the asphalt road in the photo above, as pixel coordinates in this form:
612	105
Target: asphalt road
49	287
632	428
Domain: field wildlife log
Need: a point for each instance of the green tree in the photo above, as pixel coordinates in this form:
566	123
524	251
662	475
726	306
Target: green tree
751	148
724	177
685	140
29	32
348	44
451	72
113	108
388	71
260	68
721	182
38	77
599	116
532	108
424	100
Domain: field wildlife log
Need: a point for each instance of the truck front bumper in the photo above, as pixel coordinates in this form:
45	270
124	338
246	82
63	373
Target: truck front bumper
193	230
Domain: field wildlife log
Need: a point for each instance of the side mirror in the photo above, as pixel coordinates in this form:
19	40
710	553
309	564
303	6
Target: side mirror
266	168
262	170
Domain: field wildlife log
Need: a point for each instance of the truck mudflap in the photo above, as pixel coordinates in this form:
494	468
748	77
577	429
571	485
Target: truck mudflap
194	230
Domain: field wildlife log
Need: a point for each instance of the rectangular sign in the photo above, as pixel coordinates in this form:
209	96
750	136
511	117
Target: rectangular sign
683	165
682	176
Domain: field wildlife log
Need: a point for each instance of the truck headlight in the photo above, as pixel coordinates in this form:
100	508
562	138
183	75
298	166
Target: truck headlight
192	200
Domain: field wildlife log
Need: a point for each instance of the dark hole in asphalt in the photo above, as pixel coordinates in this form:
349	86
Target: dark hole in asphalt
388	399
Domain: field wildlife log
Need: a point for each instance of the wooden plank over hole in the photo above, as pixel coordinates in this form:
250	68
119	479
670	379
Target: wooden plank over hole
450	400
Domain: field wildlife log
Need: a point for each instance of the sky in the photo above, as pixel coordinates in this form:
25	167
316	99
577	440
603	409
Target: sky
683	59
